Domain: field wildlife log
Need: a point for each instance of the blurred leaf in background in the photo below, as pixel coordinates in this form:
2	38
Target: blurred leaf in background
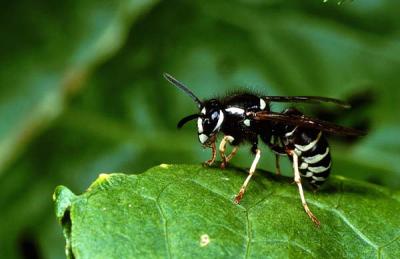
82	91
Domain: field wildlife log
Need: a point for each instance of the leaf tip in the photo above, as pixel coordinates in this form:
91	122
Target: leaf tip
62	198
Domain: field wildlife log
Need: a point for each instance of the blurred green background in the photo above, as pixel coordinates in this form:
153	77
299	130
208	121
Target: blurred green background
82	91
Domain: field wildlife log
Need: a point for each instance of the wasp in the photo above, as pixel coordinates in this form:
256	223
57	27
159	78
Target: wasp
245	117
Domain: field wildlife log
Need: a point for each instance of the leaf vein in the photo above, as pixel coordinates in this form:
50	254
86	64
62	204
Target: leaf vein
215	192
390	242
344	219
249	235
164	219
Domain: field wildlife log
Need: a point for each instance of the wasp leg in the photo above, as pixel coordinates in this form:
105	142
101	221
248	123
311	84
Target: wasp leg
213	155
279	151
229	157
239	196
232	154
297	179
277	165
222	149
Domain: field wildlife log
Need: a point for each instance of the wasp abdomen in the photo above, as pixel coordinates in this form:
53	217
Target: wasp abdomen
314	155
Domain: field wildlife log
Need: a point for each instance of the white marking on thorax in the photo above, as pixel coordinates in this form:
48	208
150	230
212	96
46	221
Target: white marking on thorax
235	110
203	138
200	125
220	120
263	104
316	158
319	169
310	145
247	122
203	111
291	133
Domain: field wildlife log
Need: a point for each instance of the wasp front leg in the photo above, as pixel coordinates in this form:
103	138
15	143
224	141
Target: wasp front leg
222	149
297	179
211	161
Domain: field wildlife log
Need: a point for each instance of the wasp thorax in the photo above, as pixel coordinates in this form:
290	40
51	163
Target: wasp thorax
210	121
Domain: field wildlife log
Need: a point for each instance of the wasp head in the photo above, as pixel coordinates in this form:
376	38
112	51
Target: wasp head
209	120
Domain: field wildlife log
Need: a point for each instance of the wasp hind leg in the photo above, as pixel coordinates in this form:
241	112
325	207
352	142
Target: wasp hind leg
253	167
279	151
222	149
297	179
277	165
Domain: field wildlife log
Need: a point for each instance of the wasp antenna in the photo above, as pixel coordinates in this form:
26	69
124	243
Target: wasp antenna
184	88
187	119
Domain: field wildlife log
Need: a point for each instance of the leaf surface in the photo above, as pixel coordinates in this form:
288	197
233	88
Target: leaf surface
185	211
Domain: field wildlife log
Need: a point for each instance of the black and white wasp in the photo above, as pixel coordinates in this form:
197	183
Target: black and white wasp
245	118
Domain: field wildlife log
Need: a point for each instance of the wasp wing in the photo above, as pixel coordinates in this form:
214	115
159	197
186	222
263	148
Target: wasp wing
307	122
307	99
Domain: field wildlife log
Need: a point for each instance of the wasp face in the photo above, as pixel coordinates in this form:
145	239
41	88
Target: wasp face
210	121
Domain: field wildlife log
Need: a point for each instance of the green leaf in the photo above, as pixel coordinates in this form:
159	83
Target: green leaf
187	211
47	54
123	118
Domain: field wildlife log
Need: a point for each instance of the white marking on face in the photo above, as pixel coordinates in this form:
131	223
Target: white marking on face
319	169
316	158
310	145
247	122
262	104
235	110
220	120
200	125
203	138
203	111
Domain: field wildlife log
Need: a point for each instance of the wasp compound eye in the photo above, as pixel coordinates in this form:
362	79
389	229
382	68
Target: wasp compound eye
214	115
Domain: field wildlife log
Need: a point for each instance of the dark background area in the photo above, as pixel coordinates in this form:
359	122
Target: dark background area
82	91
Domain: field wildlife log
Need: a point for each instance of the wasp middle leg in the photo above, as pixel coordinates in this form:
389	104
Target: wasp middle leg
222	149
253	167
